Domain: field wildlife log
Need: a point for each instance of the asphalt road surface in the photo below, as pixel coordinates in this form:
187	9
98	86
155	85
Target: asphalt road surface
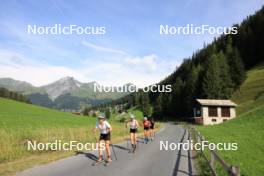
148	160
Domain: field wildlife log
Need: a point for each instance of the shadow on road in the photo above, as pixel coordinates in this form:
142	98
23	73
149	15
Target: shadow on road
88	155
141	140
186	156
120	147
176	170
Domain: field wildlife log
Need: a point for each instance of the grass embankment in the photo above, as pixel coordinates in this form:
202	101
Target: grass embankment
20	122
246	130
251	93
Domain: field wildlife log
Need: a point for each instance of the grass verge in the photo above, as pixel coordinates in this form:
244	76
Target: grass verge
20	122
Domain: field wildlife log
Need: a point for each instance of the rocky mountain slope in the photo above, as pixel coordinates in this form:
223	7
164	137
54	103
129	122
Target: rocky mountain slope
65	93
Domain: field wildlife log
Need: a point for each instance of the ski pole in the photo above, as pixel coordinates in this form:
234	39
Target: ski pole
98	143
126	137
127	143
137	139
113	150
95	139
137	142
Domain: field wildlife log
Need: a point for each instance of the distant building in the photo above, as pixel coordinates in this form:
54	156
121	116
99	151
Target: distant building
77	113
210	112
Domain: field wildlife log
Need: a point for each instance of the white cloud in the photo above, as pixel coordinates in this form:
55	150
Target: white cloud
103	49
37	76
16	66
141	71
116	75
111	72
148	61
110	67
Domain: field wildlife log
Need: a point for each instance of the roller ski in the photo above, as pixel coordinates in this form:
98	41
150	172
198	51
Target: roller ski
98	162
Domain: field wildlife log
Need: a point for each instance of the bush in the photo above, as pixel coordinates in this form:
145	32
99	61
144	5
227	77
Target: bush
108	113
122	120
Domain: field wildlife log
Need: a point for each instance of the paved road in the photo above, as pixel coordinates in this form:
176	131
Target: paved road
149	160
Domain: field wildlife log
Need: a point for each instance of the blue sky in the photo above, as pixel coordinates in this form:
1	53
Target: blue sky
132	50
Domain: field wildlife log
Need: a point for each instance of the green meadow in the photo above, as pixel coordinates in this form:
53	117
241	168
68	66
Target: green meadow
246	130
20	122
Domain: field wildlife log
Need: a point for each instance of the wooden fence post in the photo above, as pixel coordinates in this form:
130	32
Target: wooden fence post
212	163
234	171
230	170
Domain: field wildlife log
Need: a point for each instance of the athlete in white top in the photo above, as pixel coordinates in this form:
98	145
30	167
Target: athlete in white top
133	125
105	134
104	127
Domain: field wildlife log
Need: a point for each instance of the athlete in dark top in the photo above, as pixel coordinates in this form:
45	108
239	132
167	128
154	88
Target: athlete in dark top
146	125
152	129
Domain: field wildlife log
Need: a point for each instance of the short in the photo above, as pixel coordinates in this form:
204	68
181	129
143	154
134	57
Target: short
105	137
146	128
152	127
133	130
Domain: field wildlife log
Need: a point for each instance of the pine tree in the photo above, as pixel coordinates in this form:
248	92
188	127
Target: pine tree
137	99
176	98
217	81
211	82
108	113
157	109
190	90
238	73
2	92
166	102
86	111
236	65
225	78
237	69
130	102
146	108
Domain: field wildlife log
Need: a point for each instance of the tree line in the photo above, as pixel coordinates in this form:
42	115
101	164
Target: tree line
5	93
214	72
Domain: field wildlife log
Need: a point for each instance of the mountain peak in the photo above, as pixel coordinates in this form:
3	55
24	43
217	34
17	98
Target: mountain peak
129	84
67	78
62	86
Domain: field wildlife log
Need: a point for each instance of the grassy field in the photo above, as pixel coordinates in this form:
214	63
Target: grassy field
20	122
246	130
251	93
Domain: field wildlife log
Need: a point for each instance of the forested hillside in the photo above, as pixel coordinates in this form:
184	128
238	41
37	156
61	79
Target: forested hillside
214	72
5	93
